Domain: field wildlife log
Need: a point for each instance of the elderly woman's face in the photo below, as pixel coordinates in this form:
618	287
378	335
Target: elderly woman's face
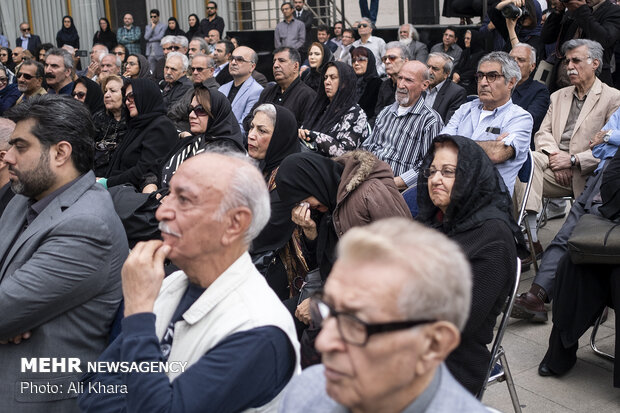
198	118
113	96
259	136
440	185
315	57
79	92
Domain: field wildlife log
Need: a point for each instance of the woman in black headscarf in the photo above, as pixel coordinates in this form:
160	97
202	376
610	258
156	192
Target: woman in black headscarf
271	138
335	123
194	27
327	198
368	80
89	93
173	28
137	67
465	69
461	194
6	59
318	58
150	135
212	124
105	35
68	34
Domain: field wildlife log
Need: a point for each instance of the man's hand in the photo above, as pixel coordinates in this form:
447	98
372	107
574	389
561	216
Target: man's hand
564	177
18	338
456	78
559	160
303	311
598	138
301	216
93	69
304	134
400	184
143	273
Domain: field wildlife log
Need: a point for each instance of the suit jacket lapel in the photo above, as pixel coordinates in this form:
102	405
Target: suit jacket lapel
593	96
565	103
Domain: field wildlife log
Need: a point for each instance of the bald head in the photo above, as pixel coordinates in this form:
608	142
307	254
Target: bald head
242	64
412	80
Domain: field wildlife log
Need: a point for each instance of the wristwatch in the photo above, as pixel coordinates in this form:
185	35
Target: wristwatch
607	136
573	160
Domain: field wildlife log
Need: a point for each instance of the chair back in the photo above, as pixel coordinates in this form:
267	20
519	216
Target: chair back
525	175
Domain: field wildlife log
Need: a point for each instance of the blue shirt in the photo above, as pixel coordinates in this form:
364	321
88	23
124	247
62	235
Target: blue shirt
65	90
506	118
607	150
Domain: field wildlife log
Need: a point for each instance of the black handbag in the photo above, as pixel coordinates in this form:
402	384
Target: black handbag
595	240
137	213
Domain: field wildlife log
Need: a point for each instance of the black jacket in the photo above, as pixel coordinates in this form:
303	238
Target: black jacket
384	98
449	98
217	23
224	76
33	43
532	96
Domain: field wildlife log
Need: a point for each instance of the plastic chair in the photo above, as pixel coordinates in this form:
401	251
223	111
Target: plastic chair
525	175
498	355
596	350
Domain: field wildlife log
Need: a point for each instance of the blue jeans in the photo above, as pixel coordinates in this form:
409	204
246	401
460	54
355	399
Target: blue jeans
372	13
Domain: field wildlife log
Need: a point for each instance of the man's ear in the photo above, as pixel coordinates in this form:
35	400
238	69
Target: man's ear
443	337
61	153
238	221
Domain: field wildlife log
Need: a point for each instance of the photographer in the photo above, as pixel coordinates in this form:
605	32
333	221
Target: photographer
518	21
597	20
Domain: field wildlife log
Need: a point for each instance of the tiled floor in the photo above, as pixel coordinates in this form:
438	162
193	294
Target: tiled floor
586	388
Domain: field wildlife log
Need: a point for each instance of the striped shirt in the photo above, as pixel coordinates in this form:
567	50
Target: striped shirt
403	140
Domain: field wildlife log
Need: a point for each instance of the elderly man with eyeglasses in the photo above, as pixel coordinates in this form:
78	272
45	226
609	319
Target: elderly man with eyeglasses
243	91
27	40
388	324
499	126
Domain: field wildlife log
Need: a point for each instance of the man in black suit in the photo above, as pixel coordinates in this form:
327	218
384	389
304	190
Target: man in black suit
6	193
531	95
443	95
27	40
221	56
306	17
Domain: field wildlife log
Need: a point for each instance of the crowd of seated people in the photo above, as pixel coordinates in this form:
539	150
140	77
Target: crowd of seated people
266	197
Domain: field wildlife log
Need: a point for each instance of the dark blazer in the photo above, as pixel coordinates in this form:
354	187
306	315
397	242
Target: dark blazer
224	76
6	194
532	96
449	98
307	19
61	280
33	43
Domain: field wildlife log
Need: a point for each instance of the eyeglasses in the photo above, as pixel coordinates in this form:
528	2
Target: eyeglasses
27	29
4	55
79	95
130	97
25	75
15	54
175	48
445	172
390	57
359	59
210	8
154	16
240	59
119	53
353	330
197	69
491	76
198	110
3	79
364	25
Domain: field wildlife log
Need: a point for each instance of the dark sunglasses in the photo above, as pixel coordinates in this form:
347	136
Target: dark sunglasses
359	59
174	48
154	16
390	57
362	25
25	30
239	59
197	69
130	97
79	95
210	8
3	79
25	75
198	110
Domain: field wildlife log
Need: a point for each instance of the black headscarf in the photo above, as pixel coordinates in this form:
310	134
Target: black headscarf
323	114
106	37
284	140
177	31
193	30
143	64
222	130
371	69
68	35
478	194
9	63
149	103
94	95
309	174
313	77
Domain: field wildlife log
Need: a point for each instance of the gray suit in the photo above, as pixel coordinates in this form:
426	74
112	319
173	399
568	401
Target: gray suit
60	279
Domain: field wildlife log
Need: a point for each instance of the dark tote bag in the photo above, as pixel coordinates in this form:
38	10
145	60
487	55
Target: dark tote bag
595	240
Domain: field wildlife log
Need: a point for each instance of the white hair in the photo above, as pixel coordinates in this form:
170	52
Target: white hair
530	48
183	58
439	283
269	110
510	67
180	40
117	60
167	39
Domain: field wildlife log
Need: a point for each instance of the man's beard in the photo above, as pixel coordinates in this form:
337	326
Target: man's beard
406	42
35	181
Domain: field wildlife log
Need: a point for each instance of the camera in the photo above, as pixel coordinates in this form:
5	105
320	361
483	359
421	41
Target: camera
81	53
512	11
